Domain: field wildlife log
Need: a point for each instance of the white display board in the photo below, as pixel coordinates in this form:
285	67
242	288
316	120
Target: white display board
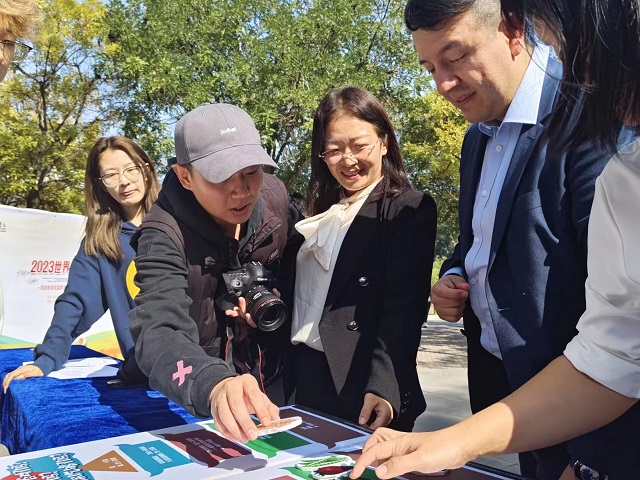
36	250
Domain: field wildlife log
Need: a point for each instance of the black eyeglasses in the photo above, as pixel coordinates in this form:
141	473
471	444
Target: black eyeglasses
15	51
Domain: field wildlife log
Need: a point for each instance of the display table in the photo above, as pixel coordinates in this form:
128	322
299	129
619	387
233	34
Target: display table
41	413
198	452
84	429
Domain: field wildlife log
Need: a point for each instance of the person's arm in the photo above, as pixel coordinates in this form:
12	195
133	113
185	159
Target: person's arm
558	404
80	306
166	337
168	349
607	347
409	250
76	309
561	402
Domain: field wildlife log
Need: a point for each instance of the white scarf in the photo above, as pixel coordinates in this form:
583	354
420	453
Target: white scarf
321	231
315	262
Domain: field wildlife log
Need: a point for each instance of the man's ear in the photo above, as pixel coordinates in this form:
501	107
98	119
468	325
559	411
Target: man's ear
183	175
514	36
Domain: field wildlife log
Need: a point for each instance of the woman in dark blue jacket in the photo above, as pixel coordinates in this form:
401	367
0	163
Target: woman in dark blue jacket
120	187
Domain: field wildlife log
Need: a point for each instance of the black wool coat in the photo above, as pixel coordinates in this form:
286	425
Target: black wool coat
377	302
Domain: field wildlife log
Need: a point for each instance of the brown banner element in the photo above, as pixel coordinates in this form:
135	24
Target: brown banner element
109	462
206	446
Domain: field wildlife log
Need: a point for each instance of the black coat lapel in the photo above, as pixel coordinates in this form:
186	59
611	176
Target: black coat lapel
353	246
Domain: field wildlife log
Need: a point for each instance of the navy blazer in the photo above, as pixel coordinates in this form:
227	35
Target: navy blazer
538	257
537	261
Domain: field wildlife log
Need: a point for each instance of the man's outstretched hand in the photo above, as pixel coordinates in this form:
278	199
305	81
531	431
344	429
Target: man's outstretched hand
232	402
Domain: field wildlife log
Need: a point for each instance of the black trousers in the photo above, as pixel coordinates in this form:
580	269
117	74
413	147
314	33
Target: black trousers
488	384
314	384
487	377
315	389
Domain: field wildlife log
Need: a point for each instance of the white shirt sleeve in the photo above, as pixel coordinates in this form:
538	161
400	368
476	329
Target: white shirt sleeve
607	347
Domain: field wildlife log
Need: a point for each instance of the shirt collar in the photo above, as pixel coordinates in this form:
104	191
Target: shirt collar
523	109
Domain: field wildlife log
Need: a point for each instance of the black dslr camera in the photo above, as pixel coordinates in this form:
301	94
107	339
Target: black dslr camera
252	282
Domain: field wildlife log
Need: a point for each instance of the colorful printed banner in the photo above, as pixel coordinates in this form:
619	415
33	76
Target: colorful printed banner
199	452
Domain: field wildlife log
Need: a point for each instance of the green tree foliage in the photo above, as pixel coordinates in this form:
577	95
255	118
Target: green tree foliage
52	110
432	134
276	59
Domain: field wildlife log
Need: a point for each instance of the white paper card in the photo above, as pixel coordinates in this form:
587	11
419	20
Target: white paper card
86	368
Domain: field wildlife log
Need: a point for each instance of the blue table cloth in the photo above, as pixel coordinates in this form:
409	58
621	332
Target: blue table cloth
44	412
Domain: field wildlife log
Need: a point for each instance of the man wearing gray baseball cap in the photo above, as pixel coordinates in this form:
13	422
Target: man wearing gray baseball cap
216	212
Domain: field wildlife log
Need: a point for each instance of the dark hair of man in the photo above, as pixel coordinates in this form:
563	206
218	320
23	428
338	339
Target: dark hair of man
600	48
324	190
435	14
104	214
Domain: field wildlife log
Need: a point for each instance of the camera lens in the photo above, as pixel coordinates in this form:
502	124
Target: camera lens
266	309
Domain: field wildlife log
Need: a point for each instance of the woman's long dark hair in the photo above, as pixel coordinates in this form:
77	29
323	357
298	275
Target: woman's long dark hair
104	214
599	44
324	189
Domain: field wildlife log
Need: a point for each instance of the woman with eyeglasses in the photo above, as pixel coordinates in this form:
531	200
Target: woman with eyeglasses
363	272
120	188
597	380
17	20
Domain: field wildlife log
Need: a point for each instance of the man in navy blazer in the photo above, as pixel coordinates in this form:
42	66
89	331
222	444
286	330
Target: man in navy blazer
517	274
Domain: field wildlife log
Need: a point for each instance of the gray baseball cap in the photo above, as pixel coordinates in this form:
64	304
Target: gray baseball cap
219	140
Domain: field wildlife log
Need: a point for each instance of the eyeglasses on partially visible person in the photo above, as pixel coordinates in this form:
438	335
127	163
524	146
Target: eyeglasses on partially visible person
14	51
112	180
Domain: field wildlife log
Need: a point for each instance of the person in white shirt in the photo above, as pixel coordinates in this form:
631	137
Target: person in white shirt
598	378
363	271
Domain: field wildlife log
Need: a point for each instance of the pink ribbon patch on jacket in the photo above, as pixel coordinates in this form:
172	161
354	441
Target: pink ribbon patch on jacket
182	372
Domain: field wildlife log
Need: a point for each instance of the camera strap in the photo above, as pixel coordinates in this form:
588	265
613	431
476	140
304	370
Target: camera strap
248	356
244	355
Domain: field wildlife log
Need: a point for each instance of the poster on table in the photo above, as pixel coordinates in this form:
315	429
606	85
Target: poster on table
199	452
36	250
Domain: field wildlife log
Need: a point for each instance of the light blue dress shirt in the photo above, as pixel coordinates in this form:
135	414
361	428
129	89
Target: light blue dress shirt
503	137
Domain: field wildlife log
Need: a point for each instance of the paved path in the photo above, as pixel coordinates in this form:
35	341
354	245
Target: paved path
442	367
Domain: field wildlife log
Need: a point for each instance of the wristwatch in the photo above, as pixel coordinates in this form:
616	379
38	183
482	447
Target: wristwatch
582	472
